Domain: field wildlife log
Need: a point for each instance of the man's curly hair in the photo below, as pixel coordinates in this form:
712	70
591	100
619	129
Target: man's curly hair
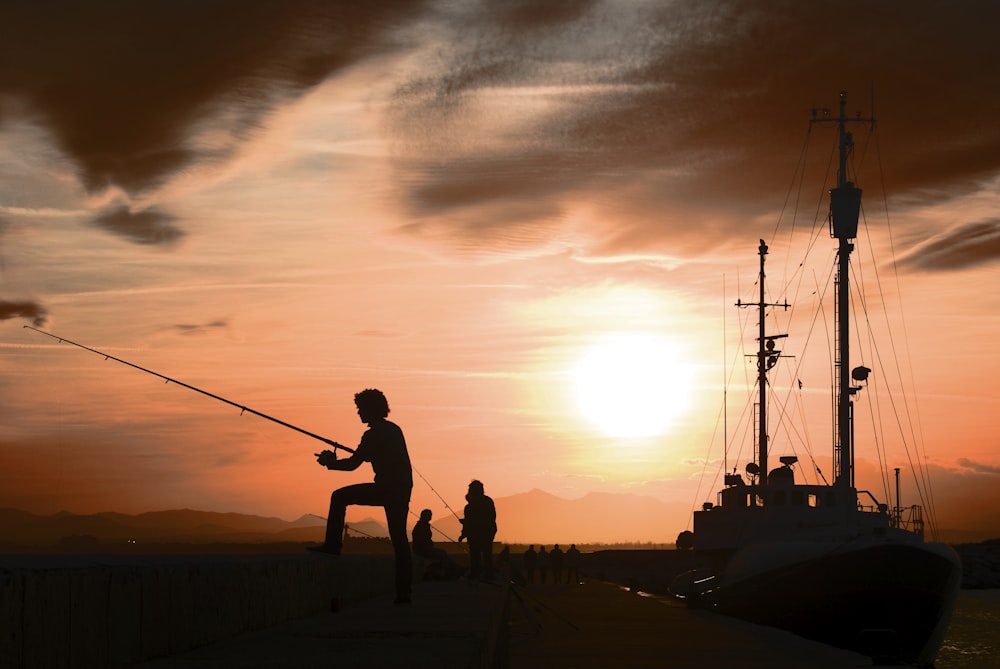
372	401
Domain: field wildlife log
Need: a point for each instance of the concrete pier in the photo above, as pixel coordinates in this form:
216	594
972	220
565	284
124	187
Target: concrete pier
256	612
448	625
468	625
114	611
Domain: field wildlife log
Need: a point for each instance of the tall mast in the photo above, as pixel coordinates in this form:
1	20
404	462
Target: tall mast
845	209
767	356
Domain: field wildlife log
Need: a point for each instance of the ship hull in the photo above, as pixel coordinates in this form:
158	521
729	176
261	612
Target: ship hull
890	601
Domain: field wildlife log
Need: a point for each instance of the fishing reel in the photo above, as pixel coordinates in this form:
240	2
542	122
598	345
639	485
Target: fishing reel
328	457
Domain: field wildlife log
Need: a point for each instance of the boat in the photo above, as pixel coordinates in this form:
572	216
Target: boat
825	561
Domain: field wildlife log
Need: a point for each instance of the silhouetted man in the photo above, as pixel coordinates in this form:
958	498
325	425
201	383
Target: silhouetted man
384	447
480	527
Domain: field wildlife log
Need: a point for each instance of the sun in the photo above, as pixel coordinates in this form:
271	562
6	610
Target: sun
631	385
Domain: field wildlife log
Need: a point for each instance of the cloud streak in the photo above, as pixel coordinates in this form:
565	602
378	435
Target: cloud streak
195	329
978	467
966	246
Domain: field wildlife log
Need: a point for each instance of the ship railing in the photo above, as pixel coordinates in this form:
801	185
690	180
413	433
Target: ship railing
875	507
909	518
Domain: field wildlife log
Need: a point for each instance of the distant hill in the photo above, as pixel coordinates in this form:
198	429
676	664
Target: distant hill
27	530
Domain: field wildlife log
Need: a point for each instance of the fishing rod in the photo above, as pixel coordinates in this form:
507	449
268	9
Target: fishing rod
241	407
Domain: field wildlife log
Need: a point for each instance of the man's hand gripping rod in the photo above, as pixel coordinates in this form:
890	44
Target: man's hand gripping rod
241	407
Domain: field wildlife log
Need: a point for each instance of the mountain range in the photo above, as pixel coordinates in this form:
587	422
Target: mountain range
532	517
535	516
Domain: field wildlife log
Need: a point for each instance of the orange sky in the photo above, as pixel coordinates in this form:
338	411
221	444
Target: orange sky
457	203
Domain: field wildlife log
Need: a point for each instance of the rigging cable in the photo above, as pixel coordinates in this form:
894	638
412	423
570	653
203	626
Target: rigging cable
919	468
917	433
797	277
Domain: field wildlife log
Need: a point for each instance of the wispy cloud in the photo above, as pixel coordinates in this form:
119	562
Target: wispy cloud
978	467
201	328
965	246
670	106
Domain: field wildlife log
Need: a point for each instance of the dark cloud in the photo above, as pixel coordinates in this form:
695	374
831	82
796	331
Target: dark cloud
525	110
122	85
978	467
965	246
537	14
694	106
33	311
151	226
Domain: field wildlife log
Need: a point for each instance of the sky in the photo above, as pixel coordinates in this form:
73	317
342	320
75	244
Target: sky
528	223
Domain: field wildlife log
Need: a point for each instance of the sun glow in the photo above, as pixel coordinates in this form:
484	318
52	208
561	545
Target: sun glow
631	385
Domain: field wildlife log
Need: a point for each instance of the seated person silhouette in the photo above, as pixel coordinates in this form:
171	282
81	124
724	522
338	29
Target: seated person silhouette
441	566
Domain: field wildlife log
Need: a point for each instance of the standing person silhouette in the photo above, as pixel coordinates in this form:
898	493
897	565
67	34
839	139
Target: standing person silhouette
530	559
480	527
556	559
384	447
573	565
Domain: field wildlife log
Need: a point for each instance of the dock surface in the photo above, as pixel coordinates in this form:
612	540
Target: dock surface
453	624
599	624
449	624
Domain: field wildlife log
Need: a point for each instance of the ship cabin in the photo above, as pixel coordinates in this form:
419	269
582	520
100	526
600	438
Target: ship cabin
782	510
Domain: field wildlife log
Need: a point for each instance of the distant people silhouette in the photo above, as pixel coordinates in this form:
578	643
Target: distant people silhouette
556	559
543	564
504	566
573	565
384	447
530	561
423	545
480	527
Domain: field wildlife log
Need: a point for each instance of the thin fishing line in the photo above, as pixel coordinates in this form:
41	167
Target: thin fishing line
455	541
447	506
